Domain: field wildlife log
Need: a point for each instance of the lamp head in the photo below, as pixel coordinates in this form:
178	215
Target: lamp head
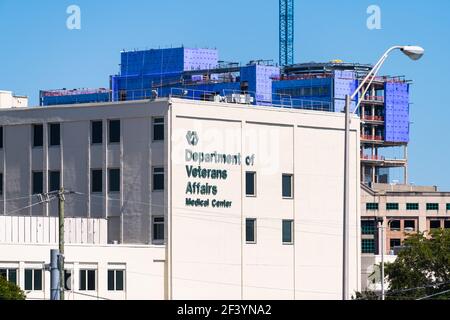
413	52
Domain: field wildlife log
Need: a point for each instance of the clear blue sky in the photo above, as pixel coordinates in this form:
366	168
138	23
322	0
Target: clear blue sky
38	52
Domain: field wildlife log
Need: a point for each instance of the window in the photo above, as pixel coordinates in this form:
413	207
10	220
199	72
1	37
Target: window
410	225
448	206
287	186
250	184
158	129
372	206
368	246
435	224
97	181
392	206
114	180
394	225
368	227
158	179
250	230
412	206
1	137
97	132
158	229
116	280
68	280
114	131
1	183
447	224
38	182
33	280
54	183
88	280
433	206
288	232
55	134
9	274
38	135
395	243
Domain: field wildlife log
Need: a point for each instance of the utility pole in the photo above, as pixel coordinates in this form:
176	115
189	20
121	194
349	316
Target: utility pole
381	228
346	239
61	242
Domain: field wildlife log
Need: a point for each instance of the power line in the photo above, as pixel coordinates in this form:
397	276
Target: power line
434	295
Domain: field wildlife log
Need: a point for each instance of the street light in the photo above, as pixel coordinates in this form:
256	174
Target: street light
414	53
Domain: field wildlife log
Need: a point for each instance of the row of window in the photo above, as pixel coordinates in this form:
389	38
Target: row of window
305	92
87	279
114	132
409	206
287	185
54	181
287	232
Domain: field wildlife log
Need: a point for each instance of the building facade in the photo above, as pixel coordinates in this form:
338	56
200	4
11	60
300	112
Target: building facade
401	210
179	199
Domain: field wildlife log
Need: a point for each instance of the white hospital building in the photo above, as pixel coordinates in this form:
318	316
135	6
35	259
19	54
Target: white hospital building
179	199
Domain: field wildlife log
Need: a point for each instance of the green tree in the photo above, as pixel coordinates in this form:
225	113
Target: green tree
422	268
9	291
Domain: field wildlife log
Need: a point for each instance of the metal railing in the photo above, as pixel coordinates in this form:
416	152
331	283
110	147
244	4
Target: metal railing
251	98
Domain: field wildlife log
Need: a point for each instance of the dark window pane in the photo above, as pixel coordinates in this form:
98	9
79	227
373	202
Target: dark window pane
97	132
250	183
435	224
287	186
447	224
119	280
395	243
1	183
1	137
368	227
38	135
433	206
158	229
91	280
114	180
392	206
158	129
111	280
412	206
114	131
410	224
12	277
54	181
250	230
368	246
287	231
55	136
28	279
4	273
38	182
158	179
83	280
97	181
37	280
372	206
394	225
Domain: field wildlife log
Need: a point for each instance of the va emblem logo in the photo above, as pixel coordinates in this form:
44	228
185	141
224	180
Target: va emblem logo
192	138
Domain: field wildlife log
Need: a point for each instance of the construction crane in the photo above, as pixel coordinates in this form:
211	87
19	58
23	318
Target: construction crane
286	32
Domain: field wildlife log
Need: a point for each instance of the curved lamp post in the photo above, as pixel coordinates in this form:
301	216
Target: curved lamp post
414	53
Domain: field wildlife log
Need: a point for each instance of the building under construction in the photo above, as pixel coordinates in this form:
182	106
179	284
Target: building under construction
199	74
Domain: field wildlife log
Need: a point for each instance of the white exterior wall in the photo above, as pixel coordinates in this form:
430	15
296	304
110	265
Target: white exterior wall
8	100
143	266
309	145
